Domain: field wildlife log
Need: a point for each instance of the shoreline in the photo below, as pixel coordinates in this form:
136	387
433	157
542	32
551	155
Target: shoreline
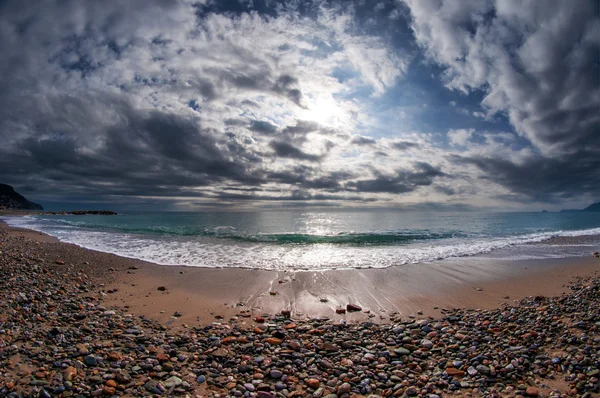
416	291
96	324
186	246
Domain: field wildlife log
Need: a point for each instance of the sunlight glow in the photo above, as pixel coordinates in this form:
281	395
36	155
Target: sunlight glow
326	111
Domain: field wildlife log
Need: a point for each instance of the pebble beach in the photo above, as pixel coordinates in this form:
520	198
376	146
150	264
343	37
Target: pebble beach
62	336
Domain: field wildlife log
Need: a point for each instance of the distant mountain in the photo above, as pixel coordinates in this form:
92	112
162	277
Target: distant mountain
9	199
593	207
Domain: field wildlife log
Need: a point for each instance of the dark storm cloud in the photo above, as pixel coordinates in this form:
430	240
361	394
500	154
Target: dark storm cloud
106	102
536	63
296	195
542	179
288	86
402	181
138	156
360	140
261	80
298	132
263	127
287	150
445	189
404	145
308	178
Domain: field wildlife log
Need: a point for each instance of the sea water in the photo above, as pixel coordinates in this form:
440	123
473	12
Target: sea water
317	240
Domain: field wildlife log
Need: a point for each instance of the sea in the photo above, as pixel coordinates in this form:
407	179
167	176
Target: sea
324	240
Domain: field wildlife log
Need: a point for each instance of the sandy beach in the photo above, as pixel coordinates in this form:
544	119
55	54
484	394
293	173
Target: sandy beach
202	295
235	303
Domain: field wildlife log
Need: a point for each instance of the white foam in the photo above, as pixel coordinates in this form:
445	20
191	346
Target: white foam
211	252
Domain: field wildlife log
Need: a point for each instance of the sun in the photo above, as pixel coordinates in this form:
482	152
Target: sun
326	111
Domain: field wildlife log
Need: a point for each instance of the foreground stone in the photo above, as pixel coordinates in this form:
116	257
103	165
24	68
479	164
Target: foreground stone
57	339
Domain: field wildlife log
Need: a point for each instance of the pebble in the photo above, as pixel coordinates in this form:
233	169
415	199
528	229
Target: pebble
76	347
275	374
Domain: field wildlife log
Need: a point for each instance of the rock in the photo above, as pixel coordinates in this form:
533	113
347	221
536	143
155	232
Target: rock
344	388
173	381
340	310
163	357
44	394
401	351
274	341
160	288
532	392
313	383
114	356
90	360
275	374
353	308
69	373
454	372
329	347
427	343
123	377
472	371
60	262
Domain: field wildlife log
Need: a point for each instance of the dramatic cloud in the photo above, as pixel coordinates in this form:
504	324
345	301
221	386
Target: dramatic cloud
536	63
186	103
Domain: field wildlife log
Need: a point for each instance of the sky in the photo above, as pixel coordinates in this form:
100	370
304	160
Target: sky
191	105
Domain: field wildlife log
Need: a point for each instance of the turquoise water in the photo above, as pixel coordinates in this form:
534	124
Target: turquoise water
317	239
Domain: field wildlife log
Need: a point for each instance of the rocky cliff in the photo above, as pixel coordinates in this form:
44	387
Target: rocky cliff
593	207
9	199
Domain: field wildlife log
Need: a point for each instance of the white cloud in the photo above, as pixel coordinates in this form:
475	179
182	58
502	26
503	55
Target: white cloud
460	137
536	62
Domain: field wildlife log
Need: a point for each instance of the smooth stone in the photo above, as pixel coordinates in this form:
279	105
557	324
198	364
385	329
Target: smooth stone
344	388
402	351
90	360
427	343
279	386
275	374
173	382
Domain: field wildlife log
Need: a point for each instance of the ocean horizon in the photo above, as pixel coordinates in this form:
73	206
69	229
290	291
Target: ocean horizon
322	240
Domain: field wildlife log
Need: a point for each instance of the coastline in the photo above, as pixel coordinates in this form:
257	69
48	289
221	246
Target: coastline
104	328
206	295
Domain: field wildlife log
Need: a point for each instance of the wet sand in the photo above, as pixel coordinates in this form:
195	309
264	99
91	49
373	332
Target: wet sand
205	295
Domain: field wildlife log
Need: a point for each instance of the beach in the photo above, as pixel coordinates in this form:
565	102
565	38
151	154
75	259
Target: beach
407	331
383	294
